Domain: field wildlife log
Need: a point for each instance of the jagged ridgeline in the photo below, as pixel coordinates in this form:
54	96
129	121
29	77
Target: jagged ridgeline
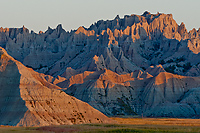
137	65
137	41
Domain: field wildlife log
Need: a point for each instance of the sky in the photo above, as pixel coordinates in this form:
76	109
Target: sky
37	15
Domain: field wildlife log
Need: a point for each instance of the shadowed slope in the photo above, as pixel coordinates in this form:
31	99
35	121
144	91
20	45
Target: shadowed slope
107	91
164	95
12	107
37	102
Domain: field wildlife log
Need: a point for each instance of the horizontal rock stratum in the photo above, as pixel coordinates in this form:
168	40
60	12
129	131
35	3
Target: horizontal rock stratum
136	65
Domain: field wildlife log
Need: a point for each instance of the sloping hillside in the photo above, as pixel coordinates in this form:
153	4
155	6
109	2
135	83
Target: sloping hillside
28	100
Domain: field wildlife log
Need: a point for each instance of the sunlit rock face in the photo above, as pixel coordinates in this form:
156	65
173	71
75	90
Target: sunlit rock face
136	65
27	99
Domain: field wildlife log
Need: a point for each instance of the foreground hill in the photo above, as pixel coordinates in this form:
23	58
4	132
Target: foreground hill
26	99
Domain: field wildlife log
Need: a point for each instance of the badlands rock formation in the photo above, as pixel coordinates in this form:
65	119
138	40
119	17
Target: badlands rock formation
121	45
136	65
26	99
161	95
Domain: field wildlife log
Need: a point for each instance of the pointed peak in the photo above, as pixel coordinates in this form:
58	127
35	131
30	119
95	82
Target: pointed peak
24	28
40	32
193	31
59	29
81	29
182	29
2	29
117	17
49	28
59	26
146	13
32	32
182	24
